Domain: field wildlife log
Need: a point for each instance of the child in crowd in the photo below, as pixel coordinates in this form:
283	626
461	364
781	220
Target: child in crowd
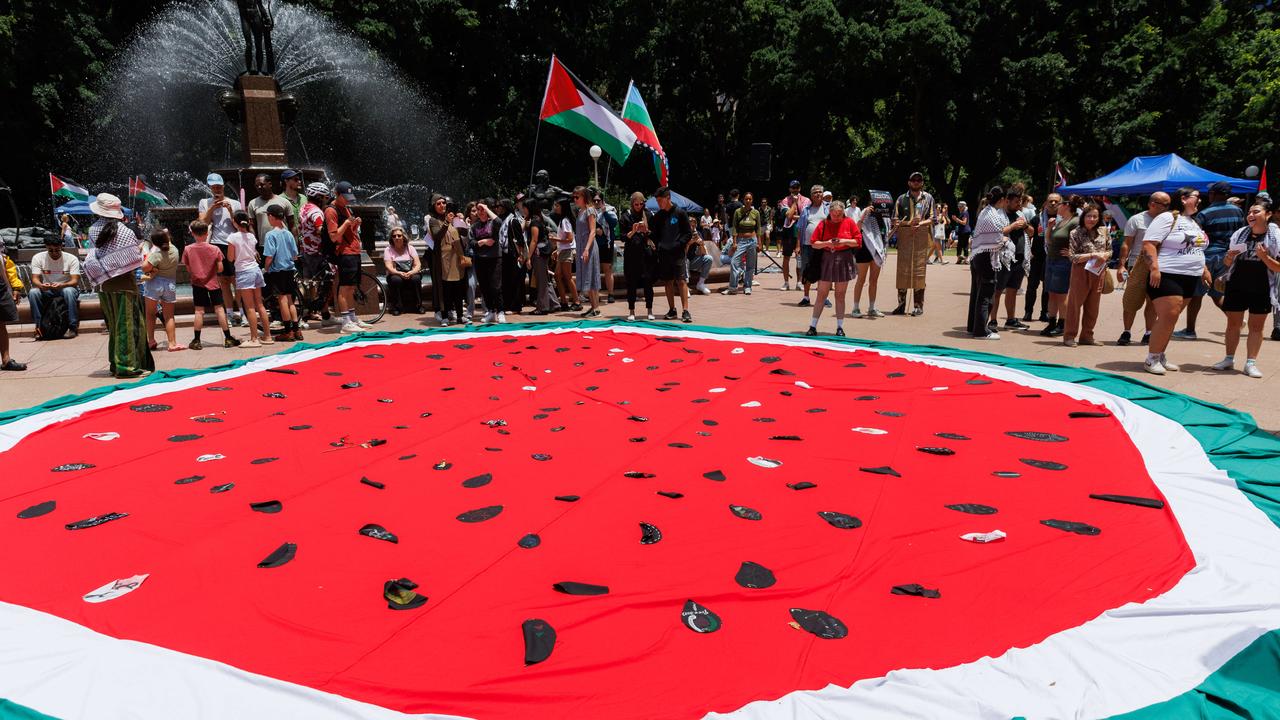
280	250
204	261
242	251
160	287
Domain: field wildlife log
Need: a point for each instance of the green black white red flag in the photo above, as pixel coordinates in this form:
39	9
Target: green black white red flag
67	188
139	189
636	115
569	103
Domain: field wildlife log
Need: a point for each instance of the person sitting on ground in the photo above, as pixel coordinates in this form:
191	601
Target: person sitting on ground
404	274
834	240
280	252
160	288
1090	250
699	262
203	261
1174	246
242	251
55	272
1252	266
11	288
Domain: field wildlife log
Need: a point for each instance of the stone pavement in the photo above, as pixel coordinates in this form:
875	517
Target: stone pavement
72	366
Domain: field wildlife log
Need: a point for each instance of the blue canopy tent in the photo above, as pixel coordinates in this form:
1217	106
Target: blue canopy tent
1150	173
80	207
678	200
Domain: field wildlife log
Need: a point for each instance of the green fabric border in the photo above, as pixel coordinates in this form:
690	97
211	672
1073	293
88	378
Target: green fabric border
1246	686
13	711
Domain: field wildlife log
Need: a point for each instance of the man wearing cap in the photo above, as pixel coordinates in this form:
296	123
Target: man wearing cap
1219	220
54	272
218	212
673	238
807	217
913	213
344	229
788	231
292	180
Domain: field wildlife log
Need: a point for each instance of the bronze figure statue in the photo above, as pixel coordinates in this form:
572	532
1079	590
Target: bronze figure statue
256	23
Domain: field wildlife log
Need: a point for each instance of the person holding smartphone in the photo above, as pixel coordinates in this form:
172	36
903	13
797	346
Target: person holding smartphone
218	212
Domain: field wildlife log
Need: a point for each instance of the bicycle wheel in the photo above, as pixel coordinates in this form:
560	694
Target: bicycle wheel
370	298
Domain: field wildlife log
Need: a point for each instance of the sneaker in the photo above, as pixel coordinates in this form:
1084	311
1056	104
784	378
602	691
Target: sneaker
1251	369
1146	338
704	290
364	325
671	315
1058	329
277	325
444	322
1184	334
251	344
786	285
72	333
230	342
1026	317
13	366
1125	338
874	313
990	336
651	317
900	310
331	321
1090	341
467	320
1014	324
589	313
488	318
1225	364
1275	333
502	317
686	317
348	328
1168	365
631	317
1068	342
856	313
1154	367
297	336
729	291
304	325
607	298
839	332
267	340
827	303
1044	317
195	345
747	291
755	283
811	332
917	312
804	302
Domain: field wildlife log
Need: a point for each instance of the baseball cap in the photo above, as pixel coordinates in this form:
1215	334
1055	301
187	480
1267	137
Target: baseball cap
1222	186
826	195
917	175
793	184
317	189
288	174
344	191
214	179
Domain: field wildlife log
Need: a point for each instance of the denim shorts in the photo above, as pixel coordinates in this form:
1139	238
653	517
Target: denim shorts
249	278
160	289
1057	275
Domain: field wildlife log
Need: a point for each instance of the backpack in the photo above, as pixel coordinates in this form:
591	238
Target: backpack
55	318
329	248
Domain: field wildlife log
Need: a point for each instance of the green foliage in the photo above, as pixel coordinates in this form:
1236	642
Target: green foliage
853	95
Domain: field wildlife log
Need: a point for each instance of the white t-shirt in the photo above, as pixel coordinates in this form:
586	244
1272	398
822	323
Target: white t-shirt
246	246
222	224
55	271
1181	244
566	229
1136	228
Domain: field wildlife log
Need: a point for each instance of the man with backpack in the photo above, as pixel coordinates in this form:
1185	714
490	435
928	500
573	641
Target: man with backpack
315	251
55	291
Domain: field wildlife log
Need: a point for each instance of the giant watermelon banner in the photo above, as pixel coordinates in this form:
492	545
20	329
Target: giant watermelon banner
631	521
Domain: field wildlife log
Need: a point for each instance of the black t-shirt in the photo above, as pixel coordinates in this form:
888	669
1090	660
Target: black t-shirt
729	210
670	228
638	241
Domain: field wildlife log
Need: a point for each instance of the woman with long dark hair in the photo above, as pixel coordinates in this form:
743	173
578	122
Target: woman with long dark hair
404	273
485	228
1253	286
1057	263
565	245
511	238
436	223
1090	250
639	255
991	254
588	252
112	259
540	250
1174	248
453	274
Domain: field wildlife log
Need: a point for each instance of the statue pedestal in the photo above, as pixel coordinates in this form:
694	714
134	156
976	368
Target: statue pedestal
263	134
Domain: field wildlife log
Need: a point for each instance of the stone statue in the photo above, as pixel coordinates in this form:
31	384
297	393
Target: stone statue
256	23
547	193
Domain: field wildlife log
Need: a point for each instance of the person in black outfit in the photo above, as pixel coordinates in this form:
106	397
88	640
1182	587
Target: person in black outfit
488	261
512	241
1035	278
670	228
639	255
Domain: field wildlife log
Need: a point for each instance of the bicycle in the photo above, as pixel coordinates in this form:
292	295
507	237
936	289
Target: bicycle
370	292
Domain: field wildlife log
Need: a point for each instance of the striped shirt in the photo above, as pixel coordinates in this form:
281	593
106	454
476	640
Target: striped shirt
1219	221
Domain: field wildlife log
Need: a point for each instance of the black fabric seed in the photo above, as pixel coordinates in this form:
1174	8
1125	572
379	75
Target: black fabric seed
972	508
890	413
716	475
568	498
952	436
896	375
710	423
649	534
785	393
670	494
701	433
374	356
425	415
503	431
400	594
539	640
386	401
795	438
1071	526
669	339
442	465
299	427
819	623
95	521
637	418
372	483
207	420
1088	414
221	488
408	457
283	371
977	381
480	514
1007	474
638	475
477	481
154	407
770	359
263	460
541	457
577	588
815	411
840	520
38	509
464	346
700	401
1131	500
1028	395
679	445
493	449
270	507
72	467
530	541
867	397
917	590
781	371
333	373
275	395
495	423
435	356
541	416
732	377
855	365
754	576
637	439
936	450
377	532
557	428
351	385
763	420
279	556
188	480
882	470
1037	436
699	619
1043	464
802	485
745	512
211	388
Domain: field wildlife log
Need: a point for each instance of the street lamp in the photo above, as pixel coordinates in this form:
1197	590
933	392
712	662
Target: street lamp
595	153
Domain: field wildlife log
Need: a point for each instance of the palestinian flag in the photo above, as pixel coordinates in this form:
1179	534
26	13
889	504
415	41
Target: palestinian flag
138	188
569	103
636	115
67	188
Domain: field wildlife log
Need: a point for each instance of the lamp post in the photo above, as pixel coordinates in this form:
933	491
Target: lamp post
595	153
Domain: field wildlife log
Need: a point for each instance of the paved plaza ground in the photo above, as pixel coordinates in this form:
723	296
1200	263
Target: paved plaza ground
73	366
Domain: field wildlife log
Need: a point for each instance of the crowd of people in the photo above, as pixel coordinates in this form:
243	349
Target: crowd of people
292	259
